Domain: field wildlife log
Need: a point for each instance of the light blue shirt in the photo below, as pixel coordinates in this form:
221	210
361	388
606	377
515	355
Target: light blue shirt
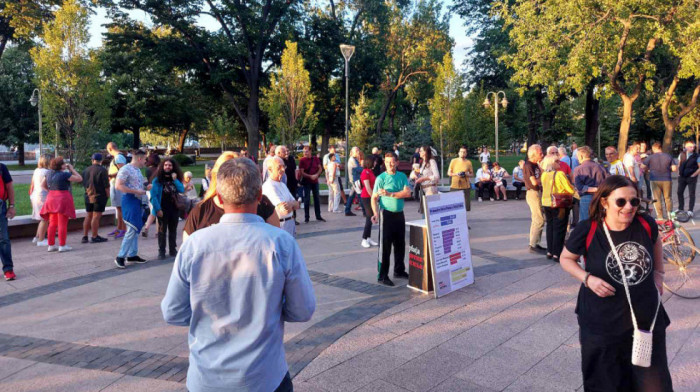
235	284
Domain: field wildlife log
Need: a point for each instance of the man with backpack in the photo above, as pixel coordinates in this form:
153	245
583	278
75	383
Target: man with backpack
688	176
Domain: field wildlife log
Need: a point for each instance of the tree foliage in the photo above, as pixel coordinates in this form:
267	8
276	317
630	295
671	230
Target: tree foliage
22	20
361	122
18	119
443	106
288	101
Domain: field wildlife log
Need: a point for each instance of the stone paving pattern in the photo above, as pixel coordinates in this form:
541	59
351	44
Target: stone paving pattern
72	322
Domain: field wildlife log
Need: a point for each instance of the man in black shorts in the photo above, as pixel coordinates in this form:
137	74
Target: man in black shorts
96	183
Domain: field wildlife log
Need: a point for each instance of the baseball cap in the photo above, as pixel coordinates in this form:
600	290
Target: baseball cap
120	160
97	157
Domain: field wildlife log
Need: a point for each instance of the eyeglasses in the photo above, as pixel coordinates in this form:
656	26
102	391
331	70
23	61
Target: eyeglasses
621	202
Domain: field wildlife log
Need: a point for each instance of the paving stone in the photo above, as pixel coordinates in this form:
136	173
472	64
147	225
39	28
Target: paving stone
381	386
685	368
131	384
498	368
428	370
45	377
561	368
454	384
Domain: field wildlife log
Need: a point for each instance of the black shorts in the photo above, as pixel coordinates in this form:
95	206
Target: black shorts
98	206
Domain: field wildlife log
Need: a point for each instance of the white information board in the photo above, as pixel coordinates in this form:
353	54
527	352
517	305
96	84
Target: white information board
446	217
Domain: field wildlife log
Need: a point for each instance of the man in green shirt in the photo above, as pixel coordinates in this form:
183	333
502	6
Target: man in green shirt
390	188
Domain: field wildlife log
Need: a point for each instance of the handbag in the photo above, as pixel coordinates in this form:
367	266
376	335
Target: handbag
642	340
560	200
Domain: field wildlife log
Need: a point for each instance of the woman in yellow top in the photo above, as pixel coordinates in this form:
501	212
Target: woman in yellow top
554	181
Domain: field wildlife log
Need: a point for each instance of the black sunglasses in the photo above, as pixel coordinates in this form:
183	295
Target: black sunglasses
621	202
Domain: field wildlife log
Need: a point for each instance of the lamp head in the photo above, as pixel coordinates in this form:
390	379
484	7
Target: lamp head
347	51
34	100
487	103
504	102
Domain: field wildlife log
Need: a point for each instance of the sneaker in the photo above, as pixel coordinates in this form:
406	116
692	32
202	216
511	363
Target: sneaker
43	243
53	248
65	248
84	240
10	275
365	243
372	242
136	259
491	198
119	261
161	256
296	223
402	275
538	249
386	282
690	214
320	219
98	239
480	200
114	232
350	214
173	253
120	234
306	221
35	240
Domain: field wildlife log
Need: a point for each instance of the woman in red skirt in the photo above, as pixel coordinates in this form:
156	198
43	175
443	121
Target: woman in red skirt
59	206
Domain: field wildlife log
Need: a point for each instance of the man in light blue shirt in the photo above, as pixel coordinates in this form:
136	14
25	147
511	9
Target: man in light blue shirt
234	284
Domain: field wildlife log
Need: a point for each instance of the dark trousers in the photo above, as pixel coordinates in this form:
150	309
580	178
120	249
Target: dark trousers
167	225
607	364
575	212
392	233
557	220
518	187
690	182
480	186
286	384
5	247
367	205
308	189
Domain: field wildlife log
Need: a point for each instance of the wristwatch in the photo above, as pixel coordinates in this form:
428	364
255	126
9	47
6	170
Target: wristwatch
585	279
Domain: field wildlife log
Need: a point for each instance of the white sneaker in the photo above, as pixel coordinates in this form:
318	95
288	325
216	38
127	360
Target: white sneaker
365	243
43	243
492	199
372	242
65	248
53	248
35	240
480	200
690	214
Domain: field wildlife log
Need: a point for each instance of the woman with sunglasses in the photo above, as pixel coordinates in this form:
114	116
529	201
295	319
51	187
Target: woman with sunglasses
605	320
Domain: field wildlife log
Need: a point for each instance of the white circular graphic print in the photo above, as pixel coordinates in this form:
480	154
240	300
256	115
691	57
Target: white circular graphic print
636	263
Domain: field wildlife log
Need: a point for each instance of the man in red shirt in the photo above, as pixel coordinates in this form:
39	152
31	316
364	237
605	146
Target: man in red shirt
310	168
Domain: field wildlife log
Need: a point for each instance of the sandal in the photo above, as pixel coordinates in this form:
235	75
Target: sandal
549	255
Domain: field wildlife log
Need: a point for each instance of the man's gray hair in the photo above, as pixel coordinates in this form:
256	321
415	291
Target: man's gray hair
552	150
275	161
562	151
238	182
279	149
533	149
375	150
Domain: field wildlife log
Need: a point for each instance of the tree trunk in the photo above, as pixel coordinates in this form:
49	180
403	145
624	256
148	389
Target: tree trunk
20	153
625	124
392	116
385	110
3	43
592	116
181	140
252	123
325	139
137	138
670	127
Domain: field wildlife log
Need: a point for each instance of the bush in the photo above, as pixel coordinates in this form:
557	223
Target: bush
183	160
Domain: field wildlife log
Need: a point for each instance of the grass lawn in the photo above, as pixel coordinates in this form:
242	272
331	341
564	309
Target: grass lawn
31	166
508	162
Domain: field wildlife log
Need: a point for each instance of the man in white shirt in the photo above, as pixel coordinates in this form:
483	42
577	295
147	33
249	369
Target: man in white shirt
613	158
485	156
270	155
279	195
631	164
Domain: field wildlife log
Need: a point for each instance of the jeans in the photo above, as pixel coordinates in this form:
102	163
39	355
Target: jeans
130	243
534	201
518	187
557	221
584	205
167	225
308	189
691	183
351	198
5	247
662	190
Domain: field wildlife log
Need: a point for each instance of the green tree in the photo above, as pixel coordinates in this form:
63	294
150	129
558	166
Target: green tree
68	76
563	45
443	106
22	20
361	122
288	101
18	119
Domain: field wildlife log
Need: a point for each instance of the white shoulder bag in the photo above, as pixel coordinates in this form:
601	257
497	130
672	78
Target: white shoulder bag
642	340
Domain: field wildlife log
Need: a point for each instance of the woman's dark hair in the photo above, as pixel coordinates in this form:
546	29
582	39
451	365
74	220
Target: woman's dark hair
368	162
608	186
428	153
161	175
56	164
153	160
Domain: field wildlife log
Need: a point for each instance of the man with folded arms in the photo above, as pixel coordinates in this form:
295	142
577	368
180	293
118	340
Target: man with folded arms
234	285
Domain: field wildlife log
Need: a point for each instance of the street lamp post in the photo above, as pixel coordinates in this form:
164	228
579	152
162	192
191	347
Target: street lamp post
487	104
347	51
35	100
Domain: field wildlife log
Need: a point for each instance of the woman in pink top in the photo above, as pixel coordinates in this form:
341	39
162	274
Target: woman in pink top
367	178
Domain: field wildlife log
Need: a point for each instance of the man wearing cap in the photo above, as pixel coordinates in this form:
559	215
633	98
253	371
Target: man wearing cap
96	184
118	160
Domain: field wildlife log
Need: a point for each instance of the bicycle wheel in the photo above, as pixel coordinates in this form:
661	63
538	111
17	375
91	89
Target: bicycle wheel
682	274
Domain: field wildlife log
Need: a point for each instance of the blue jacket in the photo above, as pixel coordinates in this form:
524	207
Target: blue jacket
157	194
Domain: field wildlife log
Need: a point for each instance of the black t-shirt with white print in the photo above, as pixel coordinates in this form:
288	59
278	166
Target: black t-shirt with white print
610	316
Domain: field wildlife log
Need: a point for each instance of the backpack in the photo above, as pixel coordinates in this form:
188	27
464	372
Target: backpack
594	227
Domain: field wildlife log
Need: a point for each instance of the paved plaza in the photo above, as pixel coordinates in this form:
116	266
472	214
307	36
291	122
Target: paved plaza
72	322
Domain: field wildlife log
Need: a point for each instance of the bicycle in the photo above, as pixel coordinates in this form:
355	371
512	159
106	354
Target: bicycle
682	276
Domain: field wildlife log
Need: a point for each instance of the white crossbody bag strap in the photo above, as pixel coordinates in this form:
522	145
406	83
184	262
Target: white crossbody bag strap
624	282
